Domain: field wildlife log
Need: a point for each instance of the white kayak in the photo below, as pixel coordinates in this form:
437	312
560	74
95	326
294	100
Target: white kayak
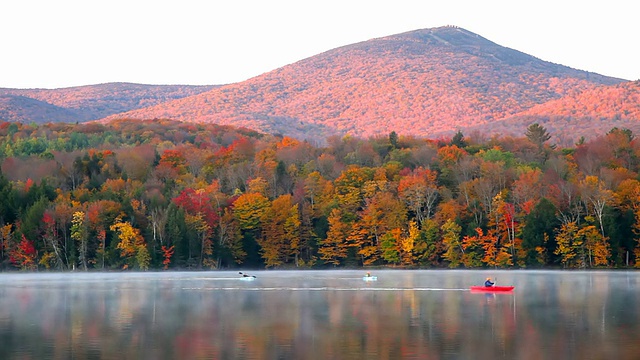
248	278
370	278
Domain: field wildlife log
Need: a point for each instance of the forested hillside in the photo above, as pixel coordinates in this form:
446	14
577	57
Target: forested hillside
578	115
167	195
424	83
16	108
85	103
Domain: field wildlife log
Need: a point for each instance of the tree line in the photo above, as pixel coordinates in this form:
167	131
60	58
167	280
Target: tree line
159	194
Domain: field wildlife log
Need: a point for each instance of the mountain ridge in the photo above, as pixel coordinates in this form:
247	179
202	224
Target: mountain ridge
93	102
425	82
421	82
18	108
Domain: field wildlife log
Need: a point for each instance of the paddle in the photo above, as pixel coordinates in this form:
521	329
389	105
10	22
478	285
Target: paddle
246	275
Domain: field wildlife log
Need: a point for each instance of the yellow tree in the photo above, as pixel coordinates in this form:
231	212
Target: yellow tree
453	250
582	247
627	195
249	209
335	248
131	244
399	245
383	214
570	246
349	188
280	238
248	212
598	248
408	245
80	233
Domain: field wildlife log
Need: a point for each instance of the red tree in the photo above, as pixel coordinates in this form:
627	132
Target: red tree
24	255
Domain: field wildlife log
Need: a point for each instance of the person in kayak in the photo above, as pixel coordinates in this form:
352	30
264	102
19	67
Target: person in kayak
488	283
368	274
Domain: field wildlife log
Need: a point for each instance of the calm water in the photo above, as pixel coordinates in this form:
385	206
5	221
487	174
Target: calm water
320	315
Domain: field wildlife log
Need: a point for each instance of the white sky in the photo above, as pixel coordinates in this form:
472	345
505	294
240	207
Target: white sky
61	43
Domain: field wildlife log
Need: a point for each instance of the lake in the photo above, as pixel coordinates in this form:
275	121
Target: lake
405	314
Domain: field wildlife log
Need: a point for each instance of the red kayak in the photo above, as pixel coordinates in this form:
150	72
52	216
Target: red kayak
492	288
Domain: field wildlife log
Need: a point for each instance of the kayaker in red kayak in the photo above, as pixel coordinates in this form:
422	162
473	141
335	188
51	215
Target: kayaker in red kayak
488	283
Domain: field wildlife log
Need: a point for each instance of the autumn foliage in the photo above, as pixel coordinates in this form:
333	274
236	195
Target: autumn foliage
211	197
428	82
24	255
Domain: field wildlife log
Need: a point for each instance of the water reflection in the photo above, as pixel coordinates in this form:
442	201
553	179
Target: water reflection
319	315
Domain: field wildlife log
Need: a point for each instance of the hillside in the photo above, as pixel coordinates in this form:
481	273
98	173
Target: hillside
84	103
424	83
24	109
594	111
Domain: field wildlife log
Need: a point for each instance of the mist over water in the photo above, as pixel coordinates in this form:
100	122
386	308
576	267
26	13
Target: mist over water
319	315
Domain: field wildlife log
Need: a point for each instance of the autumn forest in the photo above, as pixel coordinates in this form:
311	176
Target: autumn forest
153	195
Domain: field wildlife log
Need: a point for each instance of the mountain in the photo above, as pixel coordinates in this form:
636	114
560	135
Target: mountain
594	111
425	83
84	103
24	109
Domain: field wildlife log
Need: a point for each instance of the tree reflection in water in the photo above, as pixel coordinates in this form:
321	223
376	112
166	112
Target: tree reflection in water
319	314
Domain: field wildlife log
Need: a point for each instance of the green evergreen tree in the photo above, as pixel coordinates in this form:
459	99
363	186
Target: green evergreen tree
537	134
538	233
458	140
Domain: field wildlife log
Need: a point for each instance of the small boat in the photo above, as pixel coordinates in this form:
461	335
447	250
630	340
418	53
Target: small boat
370	278
246	277
492	288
